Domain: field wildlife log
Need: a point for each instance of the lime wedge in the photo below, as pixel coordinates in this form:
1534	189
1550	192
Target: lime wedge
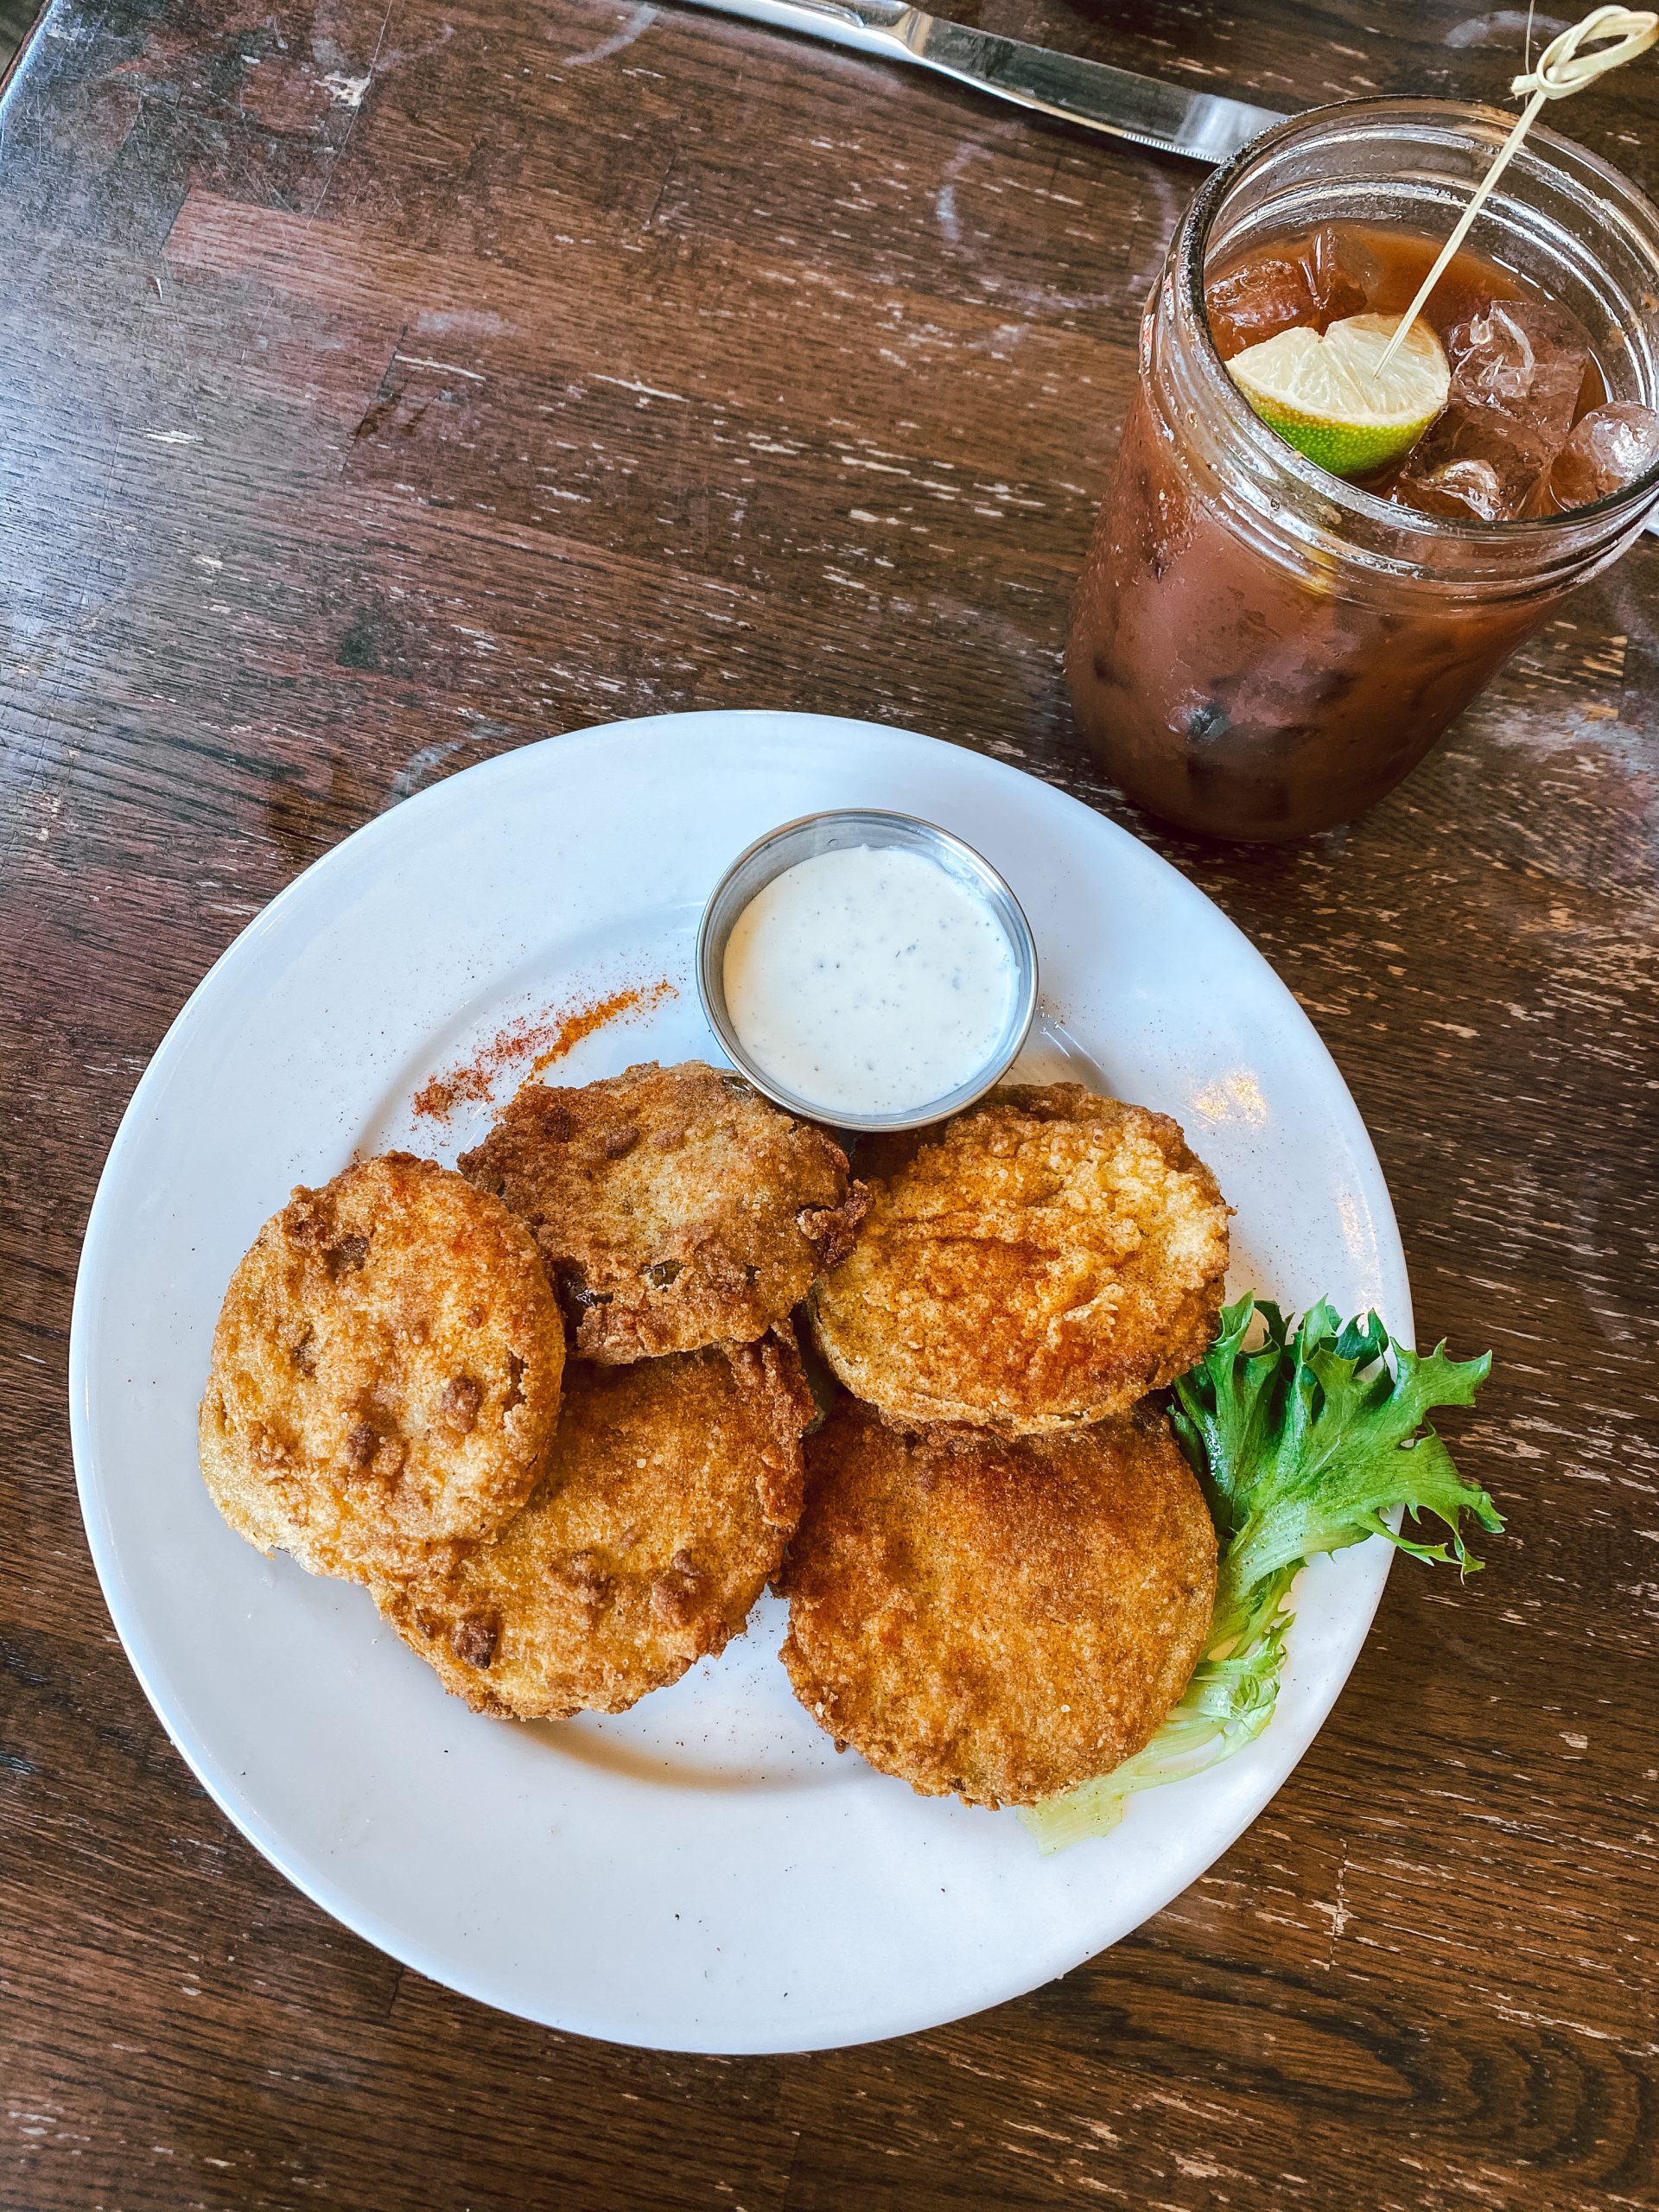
1325	395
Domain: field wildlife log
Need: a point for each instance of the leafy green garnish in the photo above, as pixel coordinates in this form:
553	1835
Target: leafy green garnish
1303	1439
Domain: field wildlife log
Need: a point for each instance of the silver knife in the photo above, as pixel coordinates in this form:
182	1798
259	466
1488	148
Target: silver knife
1206	125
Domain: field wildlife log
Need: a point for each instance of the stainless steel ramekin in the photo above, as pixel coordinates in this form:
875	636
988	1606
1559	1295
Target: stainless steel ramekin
833	832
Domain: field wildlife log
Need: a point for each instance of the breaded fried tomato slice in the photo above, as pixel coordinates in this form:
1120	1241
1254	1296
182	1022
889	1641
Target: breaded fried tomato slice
1045	1259
674	1206
671	1490
999	1617
385	1373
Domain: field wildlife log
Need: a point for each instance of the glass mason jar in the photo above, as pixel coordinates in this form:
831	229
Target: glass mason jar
1259	649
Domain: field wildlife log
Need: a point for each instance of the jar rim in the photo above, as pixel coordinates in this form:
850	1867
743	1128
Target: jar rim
1614	509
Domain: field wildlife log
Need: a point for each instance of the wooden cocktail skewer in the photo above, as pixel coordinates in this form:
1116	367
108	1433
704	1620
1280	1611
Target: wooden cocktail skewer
1562	71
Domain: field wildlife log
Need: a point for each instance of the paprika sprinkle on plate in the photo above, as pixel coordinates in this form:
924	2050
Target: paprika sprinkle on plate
538	1038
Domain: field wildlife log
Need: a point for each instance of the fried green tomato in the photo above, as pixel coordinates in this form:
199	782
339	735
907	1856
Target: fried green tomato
998	1618
385	1373
674	1206
671	1490
1043	1260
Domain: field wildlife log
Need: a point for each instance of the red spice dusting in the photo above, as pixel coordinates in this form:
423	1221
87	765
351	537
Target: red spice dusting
540	1039
435	1098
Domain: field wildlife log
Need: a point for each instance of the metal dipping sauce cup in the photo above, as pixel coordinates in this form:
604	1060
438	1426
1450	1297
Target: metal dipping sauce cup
804	839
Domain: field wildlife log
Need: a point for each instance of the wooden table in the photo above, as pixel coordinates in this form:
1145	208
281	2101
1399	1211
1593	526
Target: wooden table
385	387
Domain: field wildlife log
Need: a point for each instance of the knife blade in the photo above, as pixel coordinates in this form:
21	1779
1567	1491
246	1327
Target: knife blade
1206	126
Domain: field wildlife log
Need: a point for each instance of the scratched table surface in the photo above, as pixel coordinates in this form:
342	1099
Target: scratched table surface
382	387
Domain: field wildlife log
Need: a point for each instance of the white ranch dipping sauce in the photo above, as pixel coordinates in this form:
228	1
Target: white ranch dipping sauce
869	981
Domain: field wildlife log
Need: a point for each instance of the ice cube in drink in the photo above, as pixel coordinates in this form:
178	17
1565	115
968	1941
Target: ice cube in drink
1344	274
1608	448
1258	299
1518	367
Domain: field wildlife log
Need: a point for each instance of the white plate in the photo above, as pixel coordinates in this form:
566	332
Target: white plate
704	1873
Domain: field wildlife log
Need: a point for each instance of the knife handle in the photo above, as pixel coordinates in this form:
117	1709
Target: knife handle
867	26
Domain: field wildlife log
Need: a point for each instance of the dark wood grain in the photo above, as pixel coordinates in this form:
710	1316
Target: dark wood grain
382	386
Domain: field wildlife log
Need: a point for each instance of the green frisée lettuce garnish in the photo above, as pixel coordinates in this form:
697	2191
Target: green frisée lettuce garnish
1305	1438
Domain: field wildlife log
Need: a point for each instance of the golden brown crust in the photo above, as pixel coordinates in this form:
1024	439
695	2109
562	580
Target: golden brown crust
996	1617
1045	1259
674	1206
671	1490
386	1372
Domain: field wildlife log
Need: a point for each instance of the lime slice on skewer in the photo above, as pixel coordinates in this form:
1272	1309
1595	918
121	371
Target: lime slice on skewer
1325	395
